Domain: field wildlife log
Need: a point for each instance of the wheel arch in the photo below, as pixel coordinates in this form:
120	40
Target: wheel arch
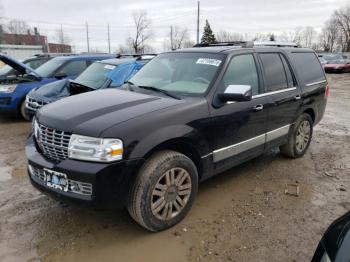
183	146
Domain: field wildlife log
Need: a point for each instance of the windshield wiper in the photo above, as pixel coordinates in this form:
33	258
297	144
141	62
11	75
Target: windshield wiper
160	91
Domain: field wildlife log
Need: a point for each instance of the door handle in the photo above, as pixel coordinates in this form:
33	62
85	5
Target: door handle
297	97
258	107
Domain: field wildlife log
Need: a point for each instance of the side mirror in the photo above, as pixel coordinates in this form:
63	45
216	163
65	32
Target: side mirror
60	75
236	93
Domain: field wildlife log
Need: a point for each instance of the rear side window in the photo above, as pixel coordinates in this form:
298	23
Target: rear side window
308	67
242	71
275	75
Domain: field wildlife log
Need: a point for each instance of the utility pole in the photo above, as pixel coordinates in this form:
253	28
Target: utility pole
62	39
87	37
171	37
198	13
109	40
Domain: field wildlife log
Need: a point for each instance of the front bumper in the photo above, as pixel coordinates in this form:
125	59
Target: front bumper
30	113
110	181
8	104
334	70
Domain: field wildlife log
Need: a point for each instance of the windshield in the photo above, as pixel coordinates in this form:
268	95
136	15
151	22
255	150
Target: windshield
48	68
95	76
332	57
188	73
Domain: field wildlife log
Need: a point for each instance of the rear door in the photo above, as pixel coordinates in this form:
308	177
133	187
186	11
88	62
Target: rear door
283	96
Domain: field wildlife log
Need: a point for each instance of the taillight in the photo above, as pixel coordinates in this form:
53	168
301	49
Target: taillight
326	91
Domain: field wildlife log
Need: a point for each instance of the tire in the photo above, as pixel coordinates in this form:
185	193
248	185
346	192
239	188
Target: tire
22	111
144	194
293	148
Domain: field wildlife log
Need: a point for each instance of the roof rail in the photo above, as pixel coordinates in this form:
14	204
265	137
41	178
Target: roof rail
137	56
276	44
228	43
134	55
250	44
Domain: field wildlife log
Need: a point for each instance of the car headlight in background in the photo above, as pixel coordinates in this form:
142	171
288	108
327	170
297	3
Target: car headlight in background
7	88
35	128
95	149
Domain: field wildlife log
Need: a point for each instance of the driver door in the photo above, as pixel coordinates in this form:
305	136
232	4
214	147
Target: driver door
239	127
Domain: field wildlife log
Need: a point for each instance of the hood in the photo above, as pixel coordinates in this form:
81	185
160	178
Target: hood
51	91
17	65
93	112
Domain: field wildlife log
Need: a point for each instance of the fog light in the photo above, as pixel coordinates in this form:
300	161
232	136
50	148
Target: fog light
74	187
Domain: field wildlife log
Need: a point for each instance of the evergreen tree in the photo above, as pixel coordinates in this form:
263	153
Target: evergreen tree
208	36
272	37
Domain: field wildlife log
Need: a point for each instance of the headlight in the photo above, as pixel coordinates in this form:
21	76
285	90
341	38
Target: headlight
7	88
35	128
95	149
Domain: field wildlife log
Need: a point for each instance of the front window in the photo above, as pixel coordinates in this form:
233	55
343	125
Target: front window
95	76
47	69
187	73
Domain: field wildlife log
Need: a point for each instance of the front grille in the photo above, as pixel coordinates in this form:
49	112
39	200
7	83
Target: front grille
74	186
34	104
53	143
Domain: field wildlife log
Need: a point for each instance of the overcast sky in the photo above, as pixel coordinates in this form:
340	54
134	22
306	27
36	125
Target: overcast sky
244	16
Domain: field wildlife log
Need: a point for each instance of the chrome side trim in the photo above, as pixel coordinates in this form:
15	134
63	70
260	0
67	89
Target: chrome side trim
271	135
274	92
207	155
316	83
235	149
229	151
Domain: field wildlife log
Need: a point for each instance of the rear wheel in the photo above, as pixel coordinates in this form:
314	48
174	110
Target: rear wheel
164	190
22	111
299	137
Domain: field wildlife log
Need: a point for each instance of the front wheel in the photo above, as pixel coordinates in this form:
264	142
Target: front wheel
299	137
163	191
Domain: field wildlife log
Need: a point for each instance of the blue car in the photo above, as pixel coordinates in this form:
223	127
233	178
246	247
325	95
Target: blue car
14	89
110	73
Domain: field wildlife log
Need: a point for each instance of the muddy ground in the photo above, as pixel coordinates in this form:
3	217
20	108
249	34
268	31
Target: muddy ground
241	215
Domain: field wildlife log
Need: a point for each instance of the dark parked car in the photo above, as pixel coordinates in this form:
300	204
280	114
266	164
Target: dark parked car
335	244
110	73
13	89
184	117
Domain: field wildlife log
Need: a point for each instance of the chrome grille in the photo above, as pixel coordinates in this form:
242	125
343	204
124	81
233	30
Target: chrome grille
53	143
74	186
34	104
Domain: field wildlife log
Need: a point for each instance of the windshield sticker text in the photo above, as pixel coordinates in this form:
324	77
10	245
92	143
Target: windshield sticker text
109	67
208	61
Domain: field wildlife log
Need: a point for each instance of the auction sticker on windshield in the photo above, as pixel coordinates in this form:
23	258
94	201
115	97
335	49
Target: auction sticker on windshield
109	67
208	61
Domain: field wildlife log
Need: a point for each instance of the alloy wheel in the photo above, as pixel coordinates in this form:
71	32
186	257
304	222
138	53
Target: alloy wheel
303	135
171	193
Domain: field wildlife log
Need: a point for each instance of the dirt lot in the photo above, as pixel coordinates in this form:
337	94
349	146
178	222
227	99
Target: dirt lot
241	215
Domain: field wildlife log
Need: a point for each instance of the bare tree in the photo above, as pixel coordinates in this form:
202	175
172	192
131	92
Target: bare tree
308	36
142	34
16	26
329	35
177	38
123	49
225	36
342	17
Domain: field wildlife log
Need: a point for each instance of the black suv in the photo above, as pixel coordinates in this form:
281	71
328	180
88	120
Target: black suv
184	117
